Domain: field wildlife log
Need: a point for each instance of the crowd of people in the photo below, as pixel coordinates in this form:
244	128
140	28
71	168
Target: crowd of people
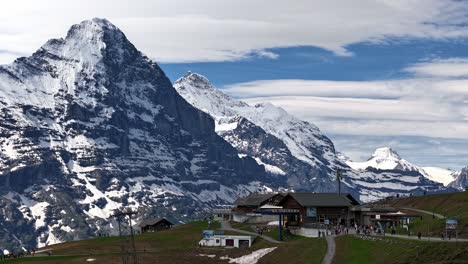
334	230
369	230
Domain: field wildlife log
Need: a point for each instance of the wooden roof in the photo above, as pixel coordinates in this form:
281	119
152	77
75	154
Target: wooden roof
255	199
323	199
153	221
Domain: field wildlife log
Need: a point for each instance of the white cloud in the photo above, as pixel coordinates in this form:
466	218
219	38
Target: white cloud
213	30
386	89
374	117
414	107
450	68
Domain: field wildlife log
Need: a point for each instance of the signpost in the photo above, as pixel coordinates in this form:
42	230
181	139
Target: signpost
451	225
208	234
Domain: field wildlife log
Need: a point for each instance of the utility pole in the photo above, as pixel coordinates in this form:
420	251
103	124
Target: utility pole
339	177
126	234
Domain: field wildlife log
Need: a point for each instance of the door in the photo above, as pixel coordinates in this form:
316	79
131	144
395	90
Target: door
229	242
243	243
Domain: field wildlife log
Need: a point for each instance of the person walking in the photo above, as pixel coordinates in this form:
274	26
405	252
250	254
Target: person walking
419	235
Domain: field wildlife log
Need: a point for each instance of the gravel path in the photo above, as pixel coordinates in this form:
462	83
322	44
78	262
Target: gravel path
331	247
226	226
432	239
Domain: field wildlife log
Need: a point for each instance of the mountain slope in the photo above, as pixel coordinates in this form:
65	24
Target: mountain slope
461	180
444	176
88	124
267	133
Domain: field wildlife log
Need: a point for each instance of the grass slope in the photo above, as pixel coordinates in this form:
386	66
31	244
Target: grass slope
177	245
352	249
450	205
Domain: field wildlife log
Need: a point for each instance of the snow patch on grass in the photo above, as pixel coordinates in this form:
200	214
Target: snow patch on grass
253	257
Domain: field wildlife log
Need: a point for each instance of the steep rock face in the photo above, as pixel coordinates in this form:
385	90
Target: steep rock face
461	180
293	150
88	124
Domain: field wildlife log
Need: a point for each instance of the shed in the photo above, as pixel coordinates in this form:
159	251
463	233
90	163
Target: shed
155	224
227	241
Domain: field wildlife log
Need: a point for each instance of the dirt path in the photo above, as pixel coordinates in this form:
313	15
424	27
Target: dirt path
331	248
439	216
226	226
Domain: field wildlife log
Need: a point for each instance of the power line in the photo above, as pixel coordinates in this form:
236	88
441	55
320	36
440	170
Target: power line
126	234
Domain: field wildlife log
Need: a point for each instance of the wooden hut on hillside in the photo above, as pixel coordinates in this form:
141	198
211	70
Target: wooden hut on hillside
155	224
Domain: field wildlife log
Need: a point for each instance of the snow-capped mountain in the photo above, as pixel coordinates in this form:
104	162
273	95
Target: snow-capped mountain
294	150
461	180
385	173
89	124
387	159
384	159
297	150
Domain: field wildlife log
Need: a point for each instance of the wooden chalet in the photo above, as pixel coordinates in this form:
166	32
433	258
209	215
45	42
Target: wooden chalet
318	209
155	224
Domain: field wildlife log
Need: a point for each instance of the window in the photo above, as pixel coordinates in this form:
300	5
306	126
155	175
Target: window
217	241
311	212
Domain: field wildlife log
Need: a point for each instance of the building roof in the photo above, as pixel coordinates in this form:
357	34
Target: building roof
221	211
373	208
323	199
153	221
254	199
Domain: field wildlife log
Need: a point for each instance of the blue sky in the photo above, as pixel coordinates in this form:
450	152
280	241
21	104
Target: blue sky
370	61
387	61
369	73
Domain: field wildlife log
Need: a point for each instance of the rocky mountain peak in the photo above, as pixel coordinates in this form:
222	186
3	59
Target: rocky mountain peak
385	153
89	42
385	158
88	29
195	80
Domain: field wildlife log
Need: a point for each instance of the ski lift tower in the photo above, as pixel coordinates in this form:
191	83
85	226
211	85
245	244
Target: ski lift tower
126	234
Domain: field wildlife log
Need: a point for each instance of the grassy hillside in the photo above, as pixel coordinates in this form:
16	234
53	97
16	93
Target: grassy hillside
352	249
177	245
450	205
